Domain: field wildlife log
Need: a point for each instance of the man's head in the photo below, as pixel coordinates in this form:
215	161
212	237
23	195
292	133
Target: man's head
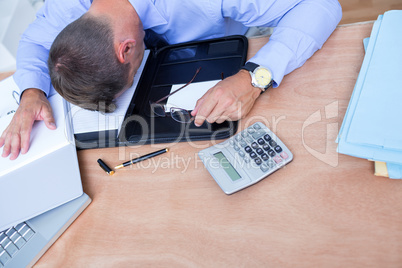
94	58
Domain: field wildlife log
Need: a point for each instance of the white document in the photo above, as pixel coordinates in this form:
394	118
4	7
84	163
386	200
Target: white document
85	121
187	97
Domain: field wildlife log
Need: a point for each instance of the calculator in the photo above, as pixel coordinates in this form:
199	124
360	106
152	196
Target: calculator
246	158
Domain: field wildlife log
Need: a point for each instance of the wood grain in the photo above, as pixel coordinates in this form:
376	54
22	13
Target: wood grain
365	10
5	75
322	210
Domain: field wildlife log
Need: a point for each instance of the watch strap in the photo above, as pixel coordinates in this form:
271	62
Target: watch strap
269	85
250	66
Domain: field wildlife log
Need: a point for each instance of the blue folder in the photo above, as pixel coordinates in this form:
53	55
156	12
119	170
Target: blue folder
372	127
394	171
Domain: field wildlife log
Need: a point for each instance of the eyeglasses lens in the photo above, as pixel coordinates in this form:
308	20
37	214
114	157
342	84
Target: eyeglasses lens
180	115
158	109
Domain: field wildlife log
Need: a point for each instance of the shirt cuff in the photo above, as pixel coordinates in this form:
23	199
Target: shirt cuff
276	57
32	80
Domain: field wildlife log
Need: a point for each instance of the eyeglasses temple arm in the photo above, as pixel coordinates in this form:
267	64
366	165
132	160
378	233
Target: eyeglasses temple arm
192	79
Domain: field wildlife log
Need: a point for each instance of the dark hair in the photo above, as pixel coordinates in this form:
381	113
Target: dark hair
83	65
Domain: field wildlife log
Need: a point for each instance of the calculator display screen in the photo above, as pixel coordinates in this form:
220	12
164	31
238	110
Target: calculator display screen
224	162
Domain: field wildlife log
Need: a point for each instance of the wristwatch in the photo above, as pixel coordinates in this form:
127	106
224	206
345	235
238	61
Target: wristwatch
261	77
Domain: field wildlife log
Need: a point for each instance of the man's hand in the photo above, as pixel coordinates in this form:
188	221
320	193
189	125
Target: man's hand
33	106
230	99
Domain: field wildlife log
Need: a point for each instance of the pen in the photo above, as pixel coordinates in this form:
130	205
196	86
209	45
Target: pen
142	158
105	167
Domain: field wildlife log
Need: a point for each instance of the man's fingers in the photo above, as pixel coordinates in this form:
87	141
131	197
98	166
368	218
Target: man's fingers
25	133
219	115
230	99
204	112
204	107
15	146
222	119
200	102
197	107
3	138
25	138
7	145
49	119
50	123
215	114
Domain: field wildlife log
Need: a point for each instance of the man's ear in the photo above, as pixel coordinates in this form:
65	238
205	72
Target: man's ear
125	50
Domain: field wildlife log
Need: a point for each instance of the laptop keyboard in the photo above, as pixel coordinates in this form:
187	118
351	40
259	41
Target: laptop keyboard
12	240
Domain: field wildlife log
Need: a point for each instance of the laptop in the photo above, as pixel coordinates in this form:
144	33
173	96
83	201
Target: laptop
40	192
23	244
44	178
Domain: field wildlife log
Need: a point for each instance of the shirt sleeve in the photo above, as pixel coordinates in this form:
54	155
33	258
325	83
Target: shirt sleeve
35	43
301	28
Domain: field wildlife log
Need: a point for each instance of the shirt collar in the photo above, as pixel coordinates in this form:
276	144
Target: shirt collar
148	13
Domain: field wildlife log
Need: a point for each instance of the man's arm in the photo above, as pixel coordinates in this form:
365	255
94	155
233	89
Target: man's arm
32	75
301	28
35	43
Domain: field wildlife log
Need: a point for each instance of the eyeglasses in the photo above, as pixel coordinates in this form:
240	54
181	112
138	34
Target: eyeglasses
178	114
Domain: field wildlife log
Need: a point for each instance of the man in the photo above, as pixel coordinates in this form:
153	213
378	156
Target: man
109	37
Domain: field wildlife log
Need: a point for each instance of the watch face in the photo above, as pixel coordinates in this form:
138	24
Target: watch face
262	76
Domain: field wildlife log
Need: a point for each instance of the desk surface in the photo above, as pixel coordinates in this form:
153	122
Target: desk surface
323	209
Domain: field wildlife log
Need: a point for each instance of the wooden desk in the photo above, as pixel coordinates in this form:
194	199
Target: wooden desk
321	210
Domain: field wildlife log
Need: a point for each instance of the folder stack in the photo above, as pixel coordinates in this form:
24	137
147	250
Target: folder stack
372	127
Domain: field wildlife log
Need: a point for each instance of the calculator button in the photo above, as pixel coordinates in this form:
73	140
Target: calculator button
248	149
242	154
271	163
254	145
257	126
260	151
264	157
258	161
253	155
267	137
264	168
272	143
260	141
271	153
249	139
242	143
231	142
284	155
244	134
236	147
257	134
237	137
278	149
266	147
250	130
246	159
277	159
